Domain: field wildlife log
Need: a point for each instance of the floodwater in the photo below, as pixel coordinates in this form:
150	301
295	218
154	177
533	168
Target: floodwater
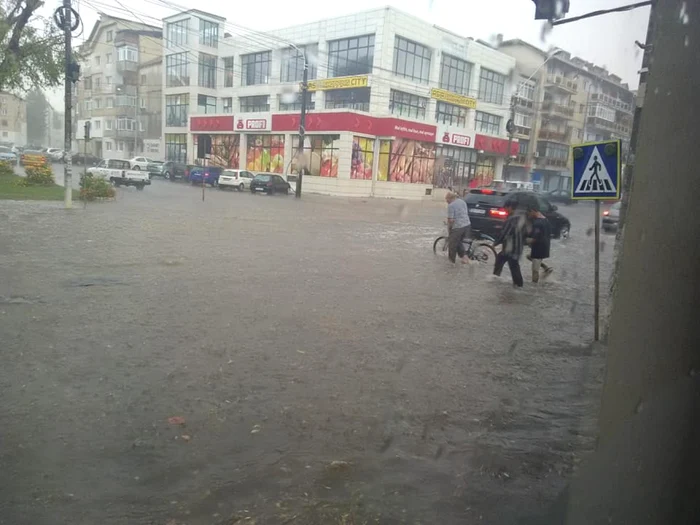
321	364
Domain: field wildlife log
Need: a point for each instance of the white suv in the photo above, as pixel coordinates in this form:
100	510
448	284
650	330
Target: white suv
239	179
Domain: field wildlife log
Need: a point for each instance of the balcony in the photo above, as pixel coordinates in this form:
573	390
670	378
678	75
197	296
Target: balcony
612	102
561	83
126	66
524	105
522	131
607	125
520	159
550	162
557	110
555	136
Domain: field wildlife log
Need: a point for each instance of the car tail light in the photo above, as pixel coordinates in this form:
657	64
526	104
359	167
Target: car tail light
500	212
487	192
606	213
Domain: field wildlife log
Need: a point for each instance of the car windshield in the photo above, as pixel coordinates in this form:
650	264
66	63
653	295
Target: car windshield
263	178
3	149
491	198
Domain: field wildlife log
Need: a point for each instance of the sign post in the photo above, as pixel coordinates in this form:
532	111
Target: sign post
596	177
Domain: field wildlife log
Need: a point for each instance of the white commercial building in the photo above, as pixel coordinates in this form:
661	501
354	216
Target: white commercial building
396	107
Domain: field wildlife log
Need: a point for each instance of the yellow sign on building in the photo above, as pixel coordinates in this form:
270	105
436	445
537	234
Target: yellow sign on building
338	83
453	98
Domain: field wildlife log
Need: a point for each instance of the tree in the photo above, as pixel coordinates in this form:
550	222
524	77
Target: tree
37	107
31	47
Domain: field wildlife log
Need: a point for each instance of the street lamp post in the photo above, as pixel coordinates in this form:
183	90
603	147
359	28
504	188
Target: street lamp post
302	121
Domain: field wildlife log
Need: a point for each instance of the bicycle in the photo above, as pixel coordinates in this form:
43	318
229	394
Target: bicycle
481	252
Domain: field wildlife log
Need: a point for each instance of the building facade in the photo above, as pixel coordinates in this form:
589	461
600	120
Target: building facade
13	120
396	106
120	89
567	101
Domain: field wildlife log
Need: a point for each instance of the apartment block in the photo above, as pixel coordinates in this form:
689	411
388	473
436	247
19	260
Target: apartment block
396	106
120	89
13	120
562	100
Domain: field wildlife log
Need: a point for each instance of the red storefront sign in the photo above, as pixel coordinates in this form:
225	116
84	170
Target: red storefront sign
356	123
214	124
495	145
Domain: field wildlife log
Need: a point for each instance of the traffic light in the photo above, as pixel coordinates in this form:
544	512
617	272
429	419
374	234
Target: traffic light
550	9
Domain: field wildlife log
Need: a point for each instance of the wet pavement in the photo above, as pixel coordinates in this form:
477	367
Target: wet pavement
324	363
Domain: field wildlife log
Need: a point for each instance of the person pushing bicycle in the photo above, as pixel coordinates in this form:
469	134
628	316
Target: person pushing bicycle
458	226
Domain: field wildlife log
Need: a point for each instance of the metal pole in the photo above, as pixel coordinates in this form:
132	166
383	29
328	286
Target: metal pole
302	127
506	166
596	275
68	123
204	175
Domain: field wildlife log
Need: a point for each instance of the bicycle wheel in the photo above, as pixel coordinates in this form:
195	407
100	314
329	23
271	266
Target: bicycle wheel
483	253
440	245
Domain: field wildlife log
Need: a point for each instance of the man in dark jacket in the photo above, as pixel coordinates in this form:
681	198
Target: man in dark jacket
512	238
539	239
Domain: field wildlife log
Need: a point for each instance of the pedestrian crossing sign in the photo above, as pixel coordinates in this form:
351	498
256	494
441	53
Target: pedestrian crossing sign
596	170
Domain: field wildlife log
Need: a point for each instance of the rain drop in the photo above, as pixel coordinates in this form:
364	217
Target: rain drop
684	15
686	41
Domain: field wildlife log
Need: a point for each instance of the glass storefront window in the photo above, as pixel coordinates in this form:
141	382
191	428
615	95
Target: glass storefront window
404	160
485	172
176	147
225	151
362	158
265	153
320	155
454	167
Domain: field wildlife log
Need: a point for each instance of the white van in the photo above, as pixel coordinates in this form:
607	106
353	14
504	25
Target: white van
238	179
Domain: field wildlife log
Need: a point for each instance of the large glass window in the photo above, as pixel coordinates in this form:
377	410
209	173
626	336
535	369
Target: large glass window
128	53
351	56
407	104
207	71
455	74
412	60
228	71
176	147
455	167
227	104
293	63
451	115
491	86
526	90
320	155
177	70
265	153
176	33
292	102
558	152
208	33
362	158
255	68
126	124
487	123
176	110
206	104
523	146
354	98
404	160
256	104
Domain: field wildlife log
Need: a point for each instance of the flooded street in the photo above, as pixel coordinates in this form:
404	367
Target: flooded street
319	360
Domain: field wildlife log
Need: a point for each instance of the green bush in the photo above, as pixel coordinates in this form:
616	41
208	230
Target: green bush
6	168
92	188
39	176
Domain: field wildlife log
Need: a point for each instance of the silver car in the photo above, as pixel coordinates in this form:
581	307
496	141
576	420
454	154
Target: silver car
611	217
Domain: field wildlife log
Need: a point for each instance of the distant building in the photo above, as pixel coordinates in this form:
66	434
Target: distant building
13	119
568	101
120	89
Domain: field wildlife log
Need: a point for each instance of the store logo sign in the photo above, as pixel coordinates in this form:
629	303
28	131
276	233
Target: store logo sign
466	141
252	124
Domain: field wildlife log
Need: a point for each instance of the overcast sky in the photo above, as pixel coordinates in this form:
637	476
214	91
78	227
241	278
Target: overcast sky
606	40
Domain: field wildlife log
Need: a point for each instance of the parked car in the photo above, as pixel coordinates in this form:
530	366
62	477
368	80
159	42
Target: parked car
208	174
118	173
560	196
31	158
269	183
176	170
81	159
487	215
238	179
55	154
611	217
7	154
155	168
140	163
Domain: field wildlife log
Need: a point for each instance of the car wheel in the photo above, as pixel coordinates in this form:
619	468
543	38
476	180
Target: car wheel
241	187
168	175
140	187
271	191
286	190
137	168
564	232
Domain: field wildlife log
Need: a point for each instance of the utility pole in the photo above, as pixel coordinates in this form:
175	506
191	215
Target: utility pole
302	126
510	128
136	119
68	122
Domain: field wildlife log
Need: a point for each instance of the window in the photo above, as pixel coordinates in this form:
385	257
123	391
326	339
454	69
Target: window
351	56
176	110
228	71
405	160
321	151
208	33
142	102
96	125
108	81
176	33
110	36
120	145
126	124
523	120
582	108
487	123
108	125
97	103
455	74
265	153
97	61
128	54
206	104
523	146
141	126
526	90
456	168
176	147
602	112
292	101
255	68
110	103
491	85
108	145
407	105
126	100
144	79
4	123
96	81
109	58
355	98
585	85
255	104
362	158
207	71
411	60
558	152
451	115
228	104
293	63
176	70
